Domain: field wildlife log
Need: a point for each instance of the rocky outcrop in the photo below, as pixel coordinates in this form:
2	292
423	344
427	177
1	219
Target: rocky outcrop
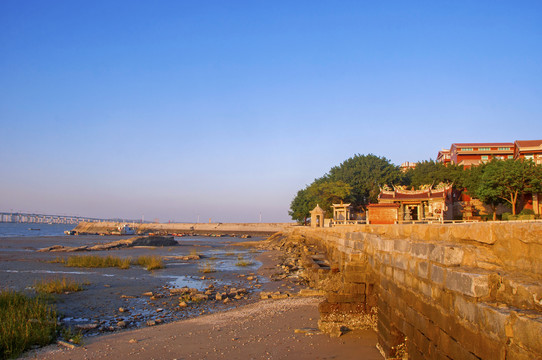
135	241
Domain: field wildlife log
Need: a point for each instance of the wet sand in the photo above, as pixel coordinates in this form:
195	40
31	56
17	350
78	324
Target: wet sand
263	330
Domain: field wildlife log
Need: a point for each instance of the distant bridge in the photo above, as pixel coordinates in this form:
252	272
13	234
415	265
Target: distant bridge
19	217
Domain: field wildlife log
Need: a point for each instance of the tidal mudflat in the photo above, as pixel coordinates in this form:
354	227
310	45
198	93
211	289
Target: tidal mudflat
113	298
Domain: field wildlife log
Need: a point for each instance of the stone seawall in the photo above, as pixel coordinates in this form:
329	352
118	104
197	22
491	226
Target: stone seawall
455	291
261	229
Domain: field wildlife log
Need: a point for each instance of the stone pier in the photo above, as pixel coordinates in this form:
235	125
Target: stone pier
439	291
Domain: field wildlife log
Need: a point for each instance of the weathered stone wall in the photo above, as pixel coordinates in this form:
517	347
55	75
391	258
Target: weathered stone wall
455	291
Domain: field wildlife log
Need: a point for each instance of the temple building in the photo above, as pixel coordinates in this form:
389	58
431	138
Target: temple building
401	205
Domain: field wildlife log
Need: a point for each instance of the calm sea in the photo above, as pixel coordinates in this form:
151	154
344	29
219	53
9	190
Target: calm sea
32	229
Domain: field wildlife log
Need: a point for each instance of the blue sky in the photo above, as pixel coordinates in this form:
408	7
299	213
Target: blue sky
224	109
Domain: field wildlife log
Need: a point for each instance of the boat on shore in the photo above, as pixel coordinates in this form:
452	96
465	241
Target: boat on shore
126	230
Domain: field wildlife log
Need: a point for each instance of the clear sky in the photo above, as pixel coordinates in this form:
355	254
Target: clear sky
224	109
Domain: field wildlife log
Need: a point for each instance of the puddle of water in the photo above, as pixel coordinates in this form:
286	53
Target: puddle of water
14	250
169	264
186	281
49	272
230	265
71	319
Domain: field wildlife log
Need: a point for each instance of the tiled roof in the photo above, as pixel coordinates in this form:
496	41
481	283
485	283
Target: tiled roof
419	196
529	143
483	144
383	205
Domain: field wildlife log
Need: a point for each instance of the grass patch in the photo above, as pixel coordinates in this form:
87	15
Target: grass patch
75	337
57	286
243	262
94	261
150	262
25	322
207	268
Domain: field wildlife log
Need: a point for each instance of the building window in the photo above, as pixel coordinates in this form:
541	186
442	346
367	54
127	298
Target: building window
504	148
529	156
510	156
484	149
466	149
485	158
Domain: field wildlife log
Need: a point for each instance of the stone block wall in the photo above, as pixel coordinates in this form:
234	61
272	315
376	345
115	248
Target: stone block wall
453	291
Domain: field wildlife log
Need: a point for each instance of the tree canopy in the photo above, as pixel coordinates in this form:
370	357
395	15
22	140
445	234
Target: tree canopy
505	181
478	186
321	192
356	180
365	174
432	172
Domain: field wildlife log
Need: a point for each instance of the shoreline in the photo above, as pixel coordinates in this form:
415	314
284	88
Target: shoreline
257	329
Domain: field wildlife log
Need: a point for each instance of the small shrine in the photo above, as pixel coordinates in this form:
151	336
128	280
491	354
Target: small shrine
341	213
317	216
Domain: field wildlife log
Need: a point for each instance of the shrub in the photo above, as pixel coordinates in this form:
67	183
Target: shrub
527	212
508	216
75	337
25	322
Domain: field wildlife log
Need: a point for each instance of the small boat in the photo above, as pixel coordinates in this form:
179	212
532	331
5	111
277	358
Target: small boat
34	229
126	230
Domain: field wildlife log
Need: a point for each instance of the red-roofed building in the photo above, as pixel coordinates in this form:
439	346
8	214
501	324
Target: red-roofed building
528	149
473	154
444	157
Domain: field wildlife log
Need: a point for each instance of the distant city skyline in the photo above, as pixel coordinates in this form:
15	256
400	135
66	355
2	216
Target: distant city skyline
224	110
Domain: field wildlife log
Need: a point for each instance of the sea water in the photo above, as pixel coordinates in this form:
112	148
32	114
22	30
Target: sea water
33	229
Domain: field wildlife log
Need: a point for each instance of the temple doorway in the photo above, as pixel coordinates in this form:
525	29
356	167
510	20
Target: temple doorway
411	212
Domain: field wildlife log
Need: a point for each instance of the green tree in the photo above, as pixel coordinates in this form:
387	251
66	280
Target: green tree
326	193
365	174
321	192
508	180
479	186
432	172
300	207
